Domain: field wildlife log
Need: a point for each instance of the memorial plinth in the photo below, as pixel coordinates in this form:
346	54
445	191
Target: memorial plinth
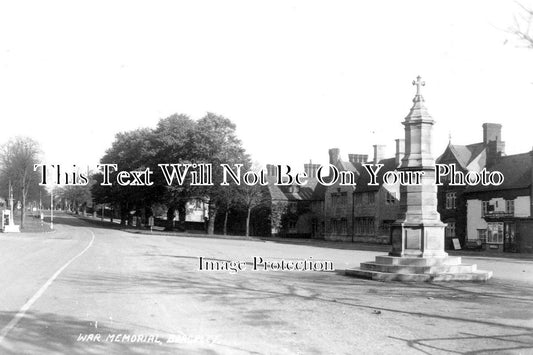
417	235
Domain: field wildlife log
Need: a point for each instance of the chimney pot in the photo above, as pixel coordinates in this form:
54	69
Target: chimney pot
379	153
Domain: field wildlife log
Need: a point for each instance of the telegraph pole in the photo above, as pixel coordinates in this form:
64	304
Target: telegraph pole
52	209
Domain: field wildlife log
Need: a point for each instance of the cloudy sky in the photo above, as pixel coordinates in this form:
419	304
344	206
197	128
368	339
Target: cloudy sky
297	77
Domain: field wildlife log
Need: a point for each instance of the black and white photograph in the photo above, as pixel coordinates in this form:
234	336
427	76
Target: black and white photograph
266	177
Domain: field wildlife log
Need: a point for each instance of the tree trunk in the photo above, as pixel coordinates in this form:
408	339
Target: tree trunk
248	221
22	208
123	216
226	222
211	222
182	215
171	211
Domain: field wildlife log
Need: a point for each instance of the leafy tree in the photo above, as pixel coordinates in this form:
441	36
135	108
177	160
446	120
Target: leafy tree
131	151
17	159
173	142
176	140
216	142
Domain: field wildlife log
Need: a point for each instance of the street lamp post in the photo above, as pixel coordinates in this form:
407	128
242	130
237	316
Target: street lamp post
52	209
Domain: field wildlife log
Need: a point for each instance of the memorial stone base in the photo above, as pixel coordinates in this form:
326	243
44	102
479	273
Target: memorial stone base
418	255
419	269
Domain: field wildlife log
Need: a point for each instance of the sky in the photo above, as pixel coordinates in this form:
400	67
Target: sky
297	77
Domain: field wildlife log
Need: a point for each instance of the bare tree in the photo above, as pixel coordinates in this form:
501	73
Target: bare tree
250	197
523	26
17	158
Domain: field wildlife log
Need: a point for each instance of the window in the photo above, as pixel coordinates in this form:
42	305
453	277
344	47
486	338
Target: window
391	198
339	226
485	210
371	198
450	200
509	206
293	207
482	235
385	227
495	233
364	226
334	200
342	226
334	226
343	199
339	199
198	204
450	230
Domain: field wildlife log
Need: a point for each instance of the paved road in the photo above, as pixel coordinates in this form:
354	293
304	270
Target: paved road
89	290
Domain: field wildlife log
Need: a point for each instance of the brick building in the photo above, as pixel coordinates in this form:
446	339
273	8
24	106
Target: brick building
294	211
472	157
499	218
338	199
376	207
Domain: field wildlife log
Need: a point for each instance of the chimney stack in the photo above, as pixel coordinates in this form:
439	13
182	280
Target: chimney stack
270	170
379	153
357	158
334	155
492	138
311	169
400	150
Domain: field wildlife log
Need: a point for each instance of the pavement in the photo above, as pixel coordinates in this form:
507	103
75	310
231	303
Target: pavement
87	289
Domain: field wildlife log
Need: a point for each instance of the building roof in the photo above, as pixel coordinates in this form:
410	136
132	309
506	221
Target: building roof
516	170
349	166
364	180
464	154
294	192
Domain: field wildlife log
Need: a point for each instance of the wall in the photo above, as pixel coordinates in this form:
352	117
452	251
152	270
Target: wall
474	221
521	206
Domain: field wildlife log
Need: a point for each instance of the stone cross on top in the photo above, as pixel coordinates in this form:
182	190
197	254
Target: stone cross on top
419	83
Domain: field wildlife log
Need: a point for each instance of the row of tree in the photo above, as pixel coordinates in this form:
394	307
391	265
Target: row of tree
176	139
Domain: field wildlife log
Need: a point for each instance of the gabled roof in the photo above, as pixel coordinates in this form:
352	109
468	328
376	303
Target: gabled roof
348	166
364	180
516	170
299	193
463	154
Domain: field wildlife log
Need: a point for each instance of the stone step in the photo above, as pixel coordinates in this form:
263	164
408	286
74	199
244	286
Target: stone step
415	269
478	275
418	261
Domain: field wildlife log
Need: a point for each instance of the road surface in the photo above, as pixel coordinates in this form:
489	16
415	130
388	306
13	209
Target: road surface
84	289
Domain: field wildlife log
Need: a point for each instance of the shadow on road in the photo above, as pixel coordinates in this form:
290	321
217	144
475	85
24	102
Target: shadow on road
510	305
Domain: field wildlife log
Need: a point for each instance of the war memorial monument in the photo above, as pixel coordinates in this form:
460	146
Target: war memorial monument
417	235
